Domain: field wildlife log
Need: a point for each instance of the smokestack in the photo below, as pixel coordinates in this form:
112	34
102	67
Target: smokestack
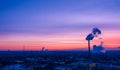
95	32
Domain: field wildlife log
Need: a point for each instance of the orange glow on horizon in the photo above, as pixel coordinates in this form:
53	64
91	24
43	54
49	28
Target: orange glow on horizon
55	42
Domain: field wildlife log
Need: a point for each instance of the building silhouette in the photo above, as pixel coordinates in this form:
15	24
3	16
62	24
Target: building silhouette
98	49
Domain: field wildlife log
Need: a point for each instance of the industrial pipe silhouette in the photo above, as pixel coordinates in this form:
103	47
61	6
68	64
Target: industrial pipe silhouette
95	32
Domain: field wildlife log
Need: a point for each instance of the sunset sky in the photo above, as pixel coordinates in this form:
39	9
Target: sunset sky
58	24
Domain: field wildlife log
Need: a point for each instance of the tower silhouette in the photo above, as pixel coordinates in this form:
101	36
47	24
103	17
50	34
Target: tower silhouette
95	32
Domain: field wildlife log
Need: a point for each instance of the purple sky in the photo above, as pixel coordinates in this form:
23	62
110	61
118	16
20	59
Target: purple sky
51	16
58	24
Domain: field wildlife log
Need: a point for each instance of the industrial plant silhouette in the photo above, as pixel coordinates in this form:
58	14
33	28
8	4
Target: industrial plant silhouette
44	59
95	32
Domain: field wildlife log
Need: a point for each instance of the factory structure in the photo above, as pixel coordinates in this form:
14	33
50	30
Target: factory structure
98	49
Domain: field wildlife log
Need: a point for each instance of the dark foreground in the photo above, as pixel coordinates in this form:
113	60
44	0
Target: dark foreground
58	60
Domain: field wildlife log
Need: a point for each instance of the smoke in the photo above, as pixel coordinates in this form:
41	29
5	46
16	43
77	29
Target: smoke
95	32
